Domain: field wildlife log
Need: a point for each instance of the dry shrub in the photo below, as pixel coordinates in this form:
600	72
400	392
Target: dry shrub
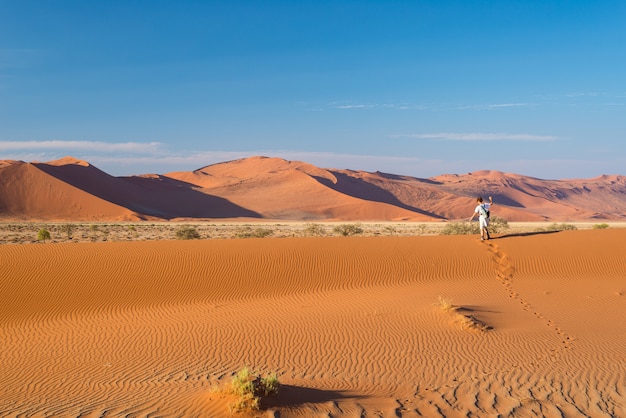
251	388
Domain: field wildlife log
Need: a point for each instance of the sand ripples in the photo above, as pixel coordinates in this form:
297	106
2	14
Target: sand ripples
350	325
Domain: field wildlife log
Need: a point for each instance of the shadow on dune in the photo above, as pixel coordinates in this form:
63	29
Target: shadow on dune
293	396
361	189
475	309
157	196
525	234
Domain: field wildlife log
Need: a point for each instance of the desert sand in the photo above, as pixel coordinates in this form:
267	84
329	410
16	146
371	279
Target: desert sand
353	326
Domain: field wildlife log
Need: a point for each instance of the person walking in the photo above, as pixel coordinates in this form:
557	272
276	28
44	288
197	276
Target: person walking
482	209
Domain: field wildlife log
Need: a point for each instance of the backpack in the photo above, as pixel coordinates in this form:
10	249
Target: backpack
484	211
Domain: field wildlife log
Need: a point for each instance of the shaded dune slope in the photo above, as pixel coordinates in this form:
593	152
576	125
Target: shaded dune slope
152	195
28	192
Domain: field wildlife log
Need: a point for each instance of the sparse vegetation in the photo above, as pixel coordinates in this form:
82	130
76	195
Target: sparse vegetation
497	225
558	227
445	304
68	229
22	233
348	229
43	235
316	230
600	226
254	233
421	228
389	230
187	232
460	228
251	388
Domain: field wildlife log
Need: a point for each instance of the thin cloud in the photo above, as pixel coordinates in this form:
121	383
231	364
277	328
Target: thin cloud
477	136
397	106
89	146
492	106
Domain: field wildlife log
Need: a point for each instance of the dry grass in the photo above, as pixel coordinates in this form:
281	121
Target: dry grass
26	232
250	389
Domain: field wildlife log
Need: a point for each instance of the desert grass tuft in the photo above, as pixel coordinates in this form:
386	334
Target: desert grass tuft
445	304
251	389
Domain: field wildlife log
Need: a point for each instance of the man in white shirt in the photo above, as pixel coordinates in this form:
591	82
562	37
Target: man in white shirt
482	209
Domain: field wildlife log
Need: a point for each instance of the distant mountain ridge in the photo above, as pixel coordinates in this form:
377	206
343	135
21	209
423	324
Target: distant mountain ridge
278	189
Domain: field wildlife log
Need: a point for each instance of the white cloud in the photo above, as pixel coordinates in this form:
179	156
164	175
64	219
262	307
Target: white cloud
481	136
70	146
492	106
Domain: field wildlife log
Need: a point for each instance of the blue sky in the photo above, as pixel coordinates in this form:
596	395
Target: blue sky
419	88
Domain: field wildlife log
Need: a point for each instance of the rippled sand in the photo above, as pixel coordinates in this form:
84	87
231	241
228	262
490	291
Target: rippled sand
353	326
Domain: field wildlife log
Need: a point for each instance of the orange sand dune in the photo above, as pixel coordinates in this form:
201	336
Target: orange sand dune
280	189
27	192
273	188
352	326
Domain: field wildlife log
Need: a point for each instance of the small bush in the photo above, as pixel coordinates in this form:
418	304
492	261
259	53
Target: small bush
460	228
497	224
600	226
68	229
558	227
421	229
254	233
390	230
348	229
315	230
43	235
251	388
187	232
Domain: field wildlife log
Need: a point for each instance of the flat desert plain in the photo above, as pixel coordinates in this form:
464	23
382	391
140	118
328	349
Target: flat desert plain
524	325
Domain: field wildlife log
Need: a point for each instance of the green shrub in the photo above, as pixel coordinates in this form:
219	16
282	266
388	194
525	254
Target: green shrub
497	224
315	230
43	235
250	389
600	226
348	229
254	233
390	230
421	229
68	229
187	232
460	228
558	227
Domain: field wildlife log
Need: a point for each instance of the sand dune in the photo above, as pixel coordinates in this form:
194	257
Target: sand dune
265	188
352	326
